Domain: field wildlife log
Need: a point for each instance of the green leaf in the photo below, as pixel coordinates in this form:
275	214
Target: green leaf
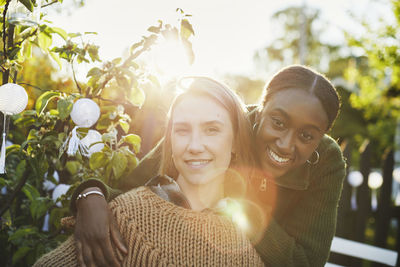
38	207
22	233
119	163
56	58
134	140
43	100
20	253
103	122
20	170
44	41
186	29
94	72
28	4
137	96
124	125
27	49
63	34
98	160
30	192
154	29
12	149
73	167
64	107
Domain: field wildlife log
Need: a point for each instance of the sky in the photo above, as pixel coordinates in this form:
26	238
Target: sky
227	32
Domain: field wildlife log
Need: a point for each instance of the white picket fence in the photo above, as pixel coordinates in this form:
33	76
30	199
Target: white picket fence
362	251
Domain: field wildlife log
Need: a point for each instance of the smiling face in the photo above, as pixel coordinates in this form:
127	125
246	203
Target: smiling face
201	140
291	126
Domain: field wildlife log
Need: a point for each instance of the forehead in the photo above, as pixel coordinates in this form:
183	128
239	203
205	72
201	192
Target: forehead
299	106
199	108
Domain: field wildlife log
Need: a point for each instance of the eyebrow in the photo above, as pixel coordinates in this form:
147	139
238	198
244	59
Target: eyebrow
212	122
284	113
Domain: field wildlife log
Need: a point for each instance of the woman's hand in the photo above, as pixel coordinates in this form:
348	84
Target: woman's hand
94	226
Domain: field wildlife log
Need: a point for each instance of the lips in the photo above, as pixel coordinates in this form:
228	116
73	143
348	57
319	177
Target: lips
276	158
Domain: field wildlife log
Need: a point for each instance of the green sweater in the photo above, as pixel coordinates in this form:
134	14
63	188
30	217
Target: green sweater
302	205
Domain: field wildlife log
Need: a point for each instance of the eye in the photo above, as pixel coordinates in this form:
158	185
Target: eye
306	137
278	123
181	131
211	130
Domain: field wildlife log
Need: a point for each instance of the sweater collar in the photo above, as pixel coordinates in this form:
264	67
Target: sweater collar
297	179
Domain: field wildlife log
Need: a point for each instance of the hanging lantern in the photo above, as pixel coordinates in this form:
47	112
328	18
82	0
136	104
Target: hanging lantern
375	181
13	100
49	185
45	227
396	177
19	14
85	113
92	137
355	179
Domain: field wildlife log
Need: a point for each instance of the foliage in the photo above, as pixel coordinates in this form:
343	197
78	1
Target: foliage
40	133
376	75
298	42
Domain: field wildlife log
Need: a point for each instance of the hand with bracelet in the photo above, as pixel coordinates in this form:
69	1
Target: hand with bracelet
94	244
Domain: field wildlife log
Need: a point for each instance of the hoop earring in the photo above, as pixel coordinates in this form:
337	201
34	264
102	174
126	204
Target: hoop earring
316	160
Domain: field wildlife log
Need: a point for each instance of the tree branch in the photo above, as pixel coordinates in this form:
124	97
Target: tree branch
15	193
49	4
75	80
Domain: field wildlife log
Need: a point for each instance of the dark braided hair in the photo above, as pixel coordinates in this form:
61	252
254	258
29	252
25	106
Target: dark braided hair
304	78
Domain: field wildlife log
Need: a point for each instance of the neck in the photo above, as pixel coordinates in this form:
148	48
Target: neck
202	196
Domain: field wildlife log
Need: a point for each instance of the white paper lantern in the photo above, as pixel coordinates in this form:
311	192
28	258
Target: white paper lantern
92	137
375	180
85	112
355	178
45	227
13	98
49	185
60	190
396	174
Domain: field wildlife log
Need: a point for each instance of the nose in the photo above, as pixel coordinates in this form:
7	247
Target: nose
196	144
285	142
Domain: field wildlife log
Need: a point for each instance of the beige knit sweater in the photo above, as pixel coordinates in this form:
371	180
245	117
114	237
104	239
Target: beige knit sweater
159	233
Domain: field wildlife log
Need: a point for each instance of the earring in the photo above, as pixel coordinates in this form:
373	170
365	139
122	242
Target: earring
316	160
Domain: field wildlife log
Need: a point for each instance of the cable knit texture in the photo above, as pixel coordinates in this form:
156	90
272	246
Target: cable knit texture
159	233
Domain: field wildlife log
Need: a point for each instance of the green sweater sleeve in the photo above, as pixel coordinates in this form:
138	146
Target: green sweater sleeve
303	237
147	168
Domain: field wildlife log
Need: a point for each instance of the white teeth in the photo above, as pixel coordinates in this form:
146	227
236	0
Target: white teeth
197	162
277	158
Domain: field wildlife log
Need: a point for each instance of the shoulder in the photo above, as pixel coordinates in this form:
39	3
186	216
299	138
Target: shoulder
328	148
332	163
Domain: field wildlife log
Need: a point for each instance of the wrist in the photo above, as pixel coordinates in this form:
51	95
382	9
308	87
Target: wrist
89	192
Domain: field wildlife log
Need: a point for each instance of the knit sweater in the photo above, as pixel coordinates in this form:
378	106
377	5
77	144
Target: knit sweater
159	233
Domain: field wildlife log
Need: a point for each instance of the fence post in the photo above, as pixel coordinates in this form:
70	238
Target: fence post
345	216
384	204
363	201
